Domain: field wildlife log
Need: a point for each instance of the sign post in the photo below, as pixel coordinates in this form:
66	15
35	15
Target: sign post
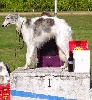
55	7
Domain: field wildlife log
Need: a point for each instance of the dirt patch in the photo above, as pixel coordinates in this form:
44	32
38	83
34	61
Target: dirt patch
52	13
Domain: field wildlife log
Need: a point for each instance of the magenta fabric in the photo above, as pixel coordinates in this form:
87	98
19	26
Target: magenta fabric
50	61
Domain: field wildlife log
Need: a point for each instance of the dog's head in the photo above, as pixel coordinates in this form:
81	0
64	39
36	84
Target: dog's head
46	14
4	72
10	19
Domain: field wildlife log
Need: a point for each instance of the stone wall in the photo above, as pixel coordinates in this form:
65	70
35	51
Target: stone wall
49	84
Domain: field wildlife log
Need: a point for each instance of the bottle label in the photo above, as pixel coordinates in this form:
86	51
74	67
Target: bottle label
70	62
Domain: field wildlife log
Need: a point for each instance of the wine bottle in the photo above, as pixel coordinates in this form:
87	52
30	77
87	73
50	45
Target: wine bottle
71	62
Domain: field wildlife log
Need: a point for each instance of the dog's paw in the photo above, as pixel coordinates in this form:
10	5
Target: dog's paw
64	67
23	68
31	67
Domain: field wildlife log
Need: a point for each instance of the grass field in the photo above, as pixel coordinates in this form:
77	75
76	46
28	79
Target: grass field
81	25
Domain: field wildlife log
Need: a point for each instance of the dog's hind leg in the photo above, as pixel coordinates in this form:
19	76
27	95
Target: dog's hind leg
63	50
63	58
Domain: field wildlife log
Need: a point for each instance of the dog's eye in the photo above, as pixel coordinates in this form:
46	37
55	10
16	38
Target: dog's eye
7	18
6	75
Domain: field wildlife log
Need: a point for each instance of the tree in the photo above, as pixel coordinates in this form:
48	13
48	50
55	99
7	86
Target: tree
45	5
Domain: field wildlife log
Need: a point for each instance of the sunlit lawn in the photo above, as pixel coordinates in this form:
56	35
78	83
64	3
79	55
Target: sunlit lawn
9	45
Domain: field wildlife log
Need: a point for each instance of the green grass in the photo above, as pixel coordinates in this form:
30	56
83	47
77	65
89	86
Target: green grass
81	25
9	45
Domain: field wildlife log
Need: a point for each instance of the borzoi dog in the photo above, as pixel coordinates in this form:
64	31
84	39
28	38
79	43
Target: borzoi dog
36	31
4	73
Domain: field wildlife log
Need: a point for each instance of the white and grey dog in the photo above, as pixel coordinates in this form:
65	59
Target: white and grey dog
4	73
39	30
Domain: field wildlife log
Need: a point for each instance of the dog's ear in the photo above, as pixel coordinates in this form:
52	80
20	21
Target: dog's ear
1	64
16	16
28	21
7	67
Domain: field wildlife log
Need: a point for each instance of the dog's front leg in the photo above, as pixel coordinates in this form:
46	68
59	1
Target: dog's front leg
29	54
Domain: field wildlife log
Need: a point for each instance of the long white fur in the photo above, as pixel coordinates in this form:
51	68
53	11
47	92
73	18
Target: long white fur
60	30
4	73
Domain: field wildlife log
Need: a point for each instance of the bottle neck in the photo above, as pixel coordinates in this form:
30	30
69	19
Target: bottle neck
71	54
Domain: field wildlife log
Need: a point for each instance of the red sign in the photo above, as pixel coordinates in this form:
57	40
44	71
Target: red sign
78	45
5	91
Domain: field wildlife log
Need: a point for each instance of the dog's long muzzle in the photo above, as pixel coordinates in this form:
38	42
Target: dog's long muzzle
3	25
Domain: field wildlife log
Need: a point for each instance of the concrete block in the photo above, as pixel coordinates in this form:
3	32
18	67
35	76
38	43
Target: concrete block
49	84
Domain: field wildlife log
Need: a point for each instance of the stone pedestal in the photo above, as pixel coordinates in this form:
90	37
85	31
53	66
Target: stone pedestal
49	84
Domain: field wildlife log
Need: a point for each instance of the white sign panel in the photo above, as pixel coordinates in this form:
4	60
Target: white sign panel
82	60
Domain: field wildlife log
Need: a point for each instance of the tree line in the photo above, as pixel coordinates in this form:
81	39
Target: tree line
44	5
